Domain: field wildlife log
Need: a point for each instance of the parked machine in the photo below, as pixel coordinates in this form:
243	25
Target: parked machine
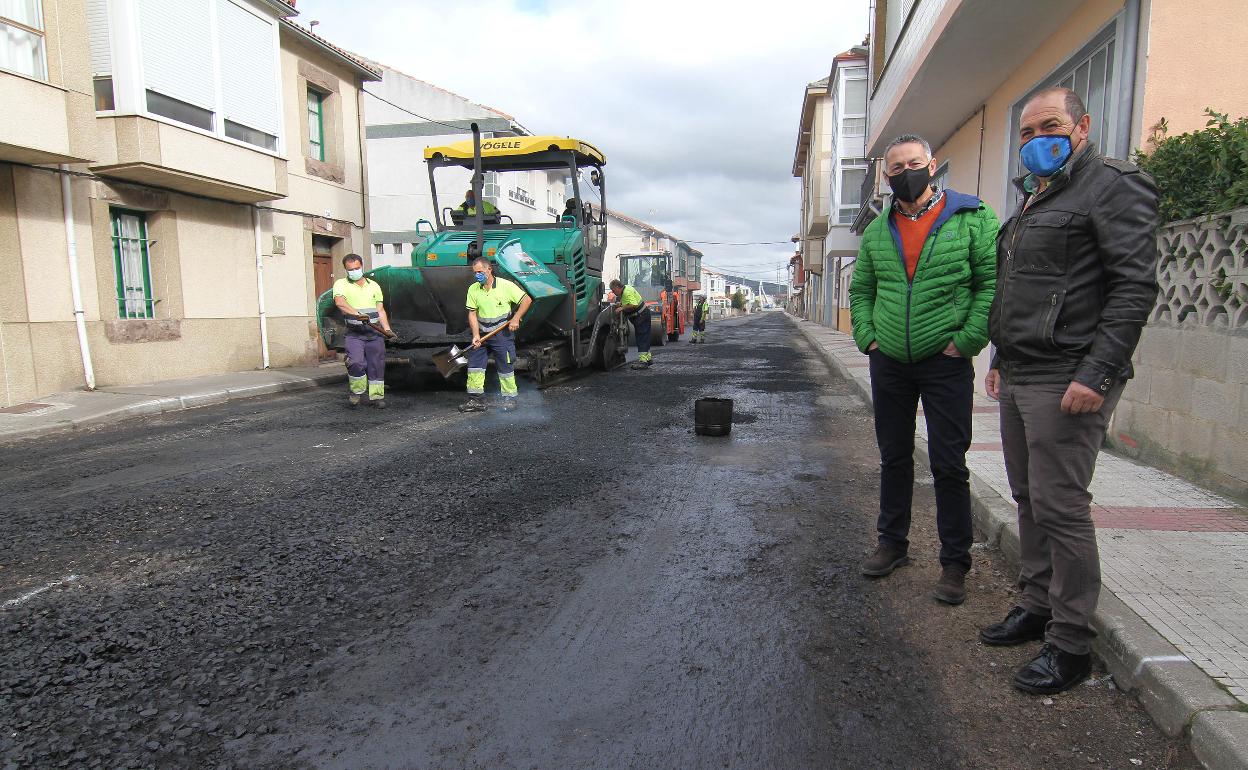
558	263
650	273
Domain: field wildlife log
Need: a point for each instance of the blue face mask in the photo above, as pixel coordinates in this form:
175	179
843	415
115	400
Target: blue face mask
480	277
1044	155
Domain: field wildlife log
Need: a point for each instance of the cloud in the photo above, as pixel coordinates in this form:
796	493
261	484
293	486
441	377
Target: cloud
694	103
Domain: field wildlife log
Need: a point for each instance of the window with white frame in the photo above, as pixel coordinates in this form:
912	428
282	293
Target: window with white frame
21	38
855	97
101	54
940	180
207	64
854	126
379	249
132	264
1093	74
490	188
397	248
850	200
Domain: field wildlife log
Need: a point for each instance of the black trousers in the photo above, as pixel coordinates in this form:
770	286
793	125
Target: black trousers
946	387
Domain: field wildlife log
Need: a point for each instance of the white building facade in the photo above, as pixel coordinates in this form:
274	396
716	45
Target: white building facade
400	197
847	87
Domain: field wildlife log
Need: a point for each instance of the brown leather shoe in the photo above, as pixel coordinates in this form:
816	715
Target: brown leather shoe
951	588
885	559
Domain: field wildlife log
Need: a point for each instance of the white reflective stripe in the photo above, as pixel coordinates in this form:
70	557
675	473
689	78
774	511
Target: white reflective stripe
376	382
476	371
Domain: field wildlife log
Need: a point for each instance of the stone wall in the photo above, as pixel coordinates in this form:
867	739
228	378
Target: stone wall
1187	408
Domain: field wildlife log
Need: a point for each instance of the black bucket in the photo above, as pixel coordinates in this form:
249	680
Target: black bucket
712	416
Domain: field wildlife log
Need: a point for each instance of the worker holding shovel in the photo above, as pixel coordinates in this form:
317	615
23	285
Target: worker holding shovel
490	302
360	300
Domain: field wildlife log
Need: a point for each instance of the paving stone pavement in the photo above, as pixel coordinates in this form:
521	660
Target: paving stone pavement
1174	553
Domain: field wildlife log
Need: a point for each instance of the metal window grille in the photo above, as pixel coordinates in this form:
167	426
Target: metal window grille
316	125
1093	74
854	126
132	262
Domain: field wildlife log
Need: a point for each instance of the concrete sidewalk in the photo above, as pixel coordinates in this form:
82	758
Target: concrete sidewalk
1173	614
82	408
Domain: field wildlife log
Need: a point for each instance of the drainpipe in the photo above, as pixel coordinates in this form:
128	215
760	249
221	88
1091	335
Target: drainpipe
264	318
84	347
1126	85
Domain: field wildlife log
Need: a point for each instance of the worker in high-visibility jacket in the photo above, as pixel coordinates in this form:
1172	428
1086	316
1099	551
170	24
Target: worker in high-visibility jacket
701	312
489	212
492	304
637	312
359	298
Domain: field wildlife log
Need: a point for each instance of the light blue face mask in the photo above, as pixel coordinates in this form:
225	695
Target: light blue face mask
1045	155
480	277
355	275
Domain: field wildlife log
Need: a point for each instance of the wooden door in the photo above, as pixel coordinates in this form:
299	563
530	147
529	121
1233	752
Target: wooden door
322	278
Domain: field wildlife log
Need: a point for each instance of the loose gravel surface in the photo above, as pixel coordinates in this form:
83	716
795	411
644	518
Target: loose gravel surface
581	583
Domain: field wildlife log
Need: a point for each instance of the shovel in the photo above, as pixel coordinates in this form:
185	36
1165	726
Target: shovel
452	359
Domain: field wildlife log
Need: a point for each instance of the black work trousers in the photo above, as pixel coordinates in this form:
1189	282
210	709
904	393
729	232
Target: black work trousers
946	386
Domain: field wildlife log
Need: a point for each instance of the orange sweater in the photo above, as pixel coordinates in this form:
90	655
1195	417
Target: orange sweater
914	234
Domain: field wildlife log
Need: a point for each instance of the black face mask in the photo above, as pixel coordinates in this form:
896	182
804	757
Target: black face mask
908	186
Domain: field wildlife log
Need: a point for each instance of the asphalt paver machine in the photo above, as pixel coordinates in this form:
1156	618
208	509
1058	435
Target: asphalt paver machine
558	263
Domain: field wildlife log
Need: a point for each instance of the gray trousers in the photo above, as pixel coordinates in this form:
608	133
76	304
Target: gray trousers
1049	458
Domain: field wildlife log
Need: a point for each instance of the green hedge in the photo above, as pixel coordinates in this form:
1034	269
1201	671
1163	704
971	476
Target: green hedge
1204	172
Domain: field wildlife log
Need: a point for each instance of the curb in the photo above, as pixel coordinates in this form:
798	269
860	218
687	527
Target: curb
1181	698
162	404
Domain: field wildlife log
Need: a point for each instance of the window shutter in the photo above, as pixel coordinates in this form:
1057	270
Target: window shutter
176	43
97	30
248	68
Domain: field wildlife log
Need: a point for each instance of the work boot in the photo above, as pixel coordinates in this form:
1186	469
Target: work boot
509	404
1052	671
353	400
885	559
1020	625
379	403
473	404
951	588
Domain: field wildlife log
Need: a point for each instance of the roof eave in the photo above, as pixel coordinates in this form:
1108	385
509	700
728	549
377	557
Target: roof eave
366	74
283	8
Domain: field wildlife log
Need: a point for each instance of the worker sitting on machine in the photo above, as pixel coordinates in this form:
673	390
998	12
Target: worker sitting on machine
701	311
637	312
571	208
468	209
489	304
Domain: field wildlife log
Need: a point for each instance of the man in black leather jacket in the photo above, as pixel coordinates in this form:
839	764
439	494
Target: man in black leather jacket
1076	280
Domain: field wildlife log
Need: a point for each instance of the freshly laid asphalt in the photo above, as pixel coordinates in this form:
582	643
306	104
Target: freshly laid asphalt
282	582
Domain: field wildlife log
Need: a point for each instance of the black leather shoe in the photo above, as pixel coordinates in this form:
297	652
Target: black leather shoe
1052	671
1019	626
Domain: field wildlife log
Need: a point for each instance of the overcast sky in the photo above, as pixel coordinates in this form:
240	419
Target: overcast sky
695	103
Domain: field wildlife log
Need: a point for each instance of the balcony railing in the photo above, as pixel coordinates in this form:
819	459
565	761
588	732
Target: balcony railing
872	196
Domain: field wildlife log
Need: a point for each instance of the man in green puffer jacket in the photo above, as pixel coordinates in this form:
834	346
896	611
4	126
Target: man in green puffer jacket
922	287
